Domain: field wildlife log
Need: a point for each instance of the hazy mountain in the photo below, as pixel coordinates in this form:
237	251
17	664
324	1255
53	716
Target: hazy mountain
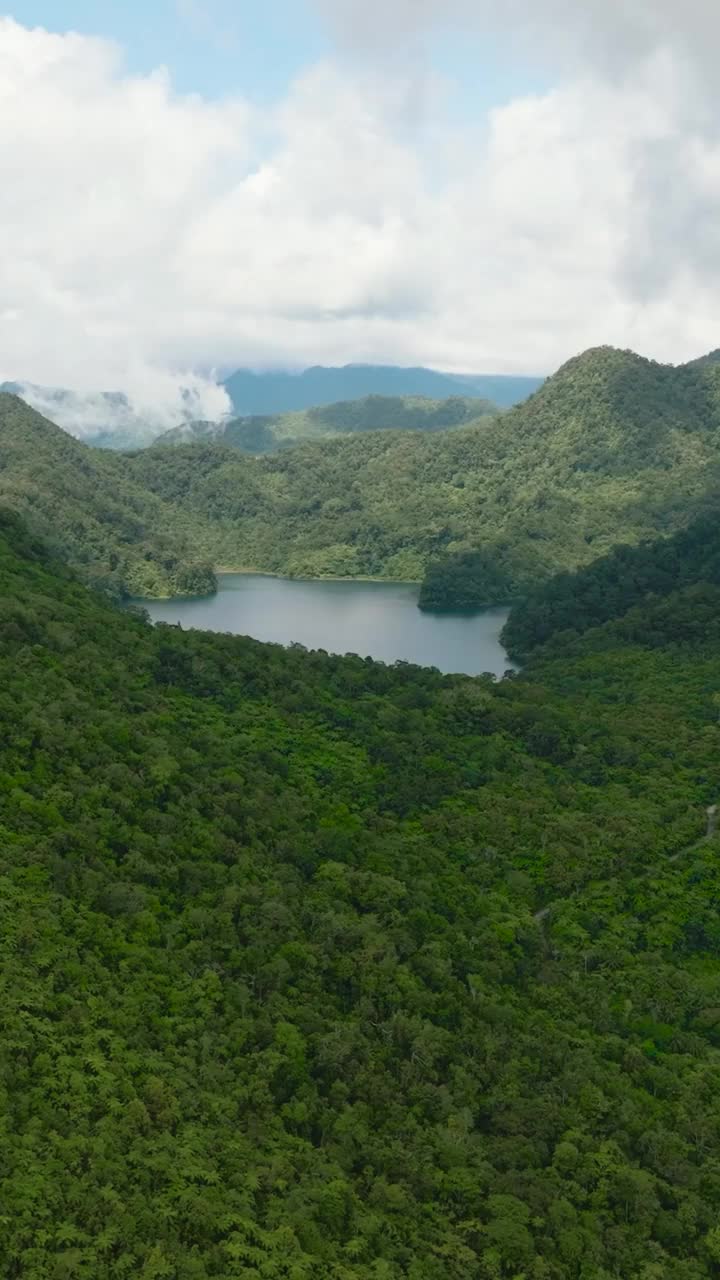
282	392
112	419
105	418
266	433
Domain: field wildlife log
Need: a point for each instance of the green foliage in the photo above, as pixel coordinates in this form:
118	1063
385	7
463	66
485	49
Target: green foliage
468	580
610	586
319	969
613	449
399	413
83	501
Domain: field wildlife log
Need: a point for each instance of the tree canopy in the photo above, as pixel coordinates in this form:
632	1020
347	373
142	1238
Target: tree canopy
319	968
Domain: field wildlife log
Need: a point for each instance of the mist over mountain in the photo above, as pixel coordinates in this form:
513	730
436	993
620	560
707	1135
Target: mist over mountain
121	420
83	503
282	392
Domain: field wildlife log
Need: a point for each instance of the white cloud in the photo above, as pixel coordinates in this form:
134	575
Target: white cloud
147	234
609	35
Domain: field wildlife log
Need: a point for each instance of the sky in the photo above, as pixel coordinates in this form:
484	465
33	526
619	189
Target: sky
194	185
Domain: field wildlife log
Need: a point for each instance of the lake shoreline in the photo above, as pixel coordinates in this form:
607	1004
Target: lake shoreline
362	616
225	570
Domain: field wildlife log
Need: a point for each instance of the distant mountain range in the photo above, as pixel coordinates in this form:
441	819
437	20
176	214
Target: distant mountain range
267	433
282	392
110	419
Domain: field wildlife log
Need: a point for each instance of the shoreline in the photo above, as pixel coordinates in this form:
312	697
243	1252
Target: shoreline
225	570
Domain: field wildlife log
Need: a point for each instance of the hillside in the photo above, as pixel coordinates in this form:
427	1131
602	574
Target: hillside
318	968
572	603
276	392
267	434
613	448
84	503
712	357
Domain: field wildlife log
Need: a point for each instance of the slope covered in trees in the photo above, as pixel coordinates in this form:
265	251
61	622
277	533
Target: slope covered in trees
85	503
322	969
610	586
612	449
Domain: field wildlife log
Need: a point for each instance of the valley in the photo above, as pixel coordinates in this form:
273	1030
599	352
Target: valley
359	715
613	449
422	942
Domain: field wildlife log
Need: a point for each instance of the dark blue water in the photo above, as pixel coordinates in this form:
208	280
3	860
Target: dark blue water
373	619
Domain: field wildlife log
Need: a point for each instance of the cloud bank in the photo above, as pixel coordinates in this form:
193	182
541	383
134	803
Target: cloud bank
148	235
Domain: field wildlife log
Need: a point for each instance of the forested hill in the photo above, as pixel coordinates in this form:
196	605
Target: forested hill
267	434
314	967
85	503
572	603
276	392
612	449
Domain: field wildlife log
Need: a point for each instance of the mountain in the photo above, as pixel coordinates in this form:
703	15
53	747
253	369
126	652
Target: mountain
279	392
612	449
267	434
323	969
191	433
85	504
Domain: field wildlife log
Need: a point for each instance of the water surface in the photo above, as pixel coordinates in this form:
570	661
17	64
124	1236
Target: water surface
373	619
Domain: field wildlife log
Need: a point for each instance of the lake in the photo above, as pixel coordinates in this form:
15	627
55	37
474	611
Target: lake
373	619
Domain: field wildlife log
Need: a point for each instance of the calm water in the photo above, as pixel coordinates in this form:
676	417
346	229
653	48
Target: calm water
373	619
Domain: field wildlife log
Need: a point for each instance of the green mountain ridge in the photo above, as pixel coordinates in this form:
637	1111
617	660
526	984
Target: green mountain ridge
573	603
613	449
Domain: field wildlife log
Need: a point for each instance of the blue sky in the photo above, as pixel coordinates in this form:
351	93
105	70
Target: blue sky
212	47
222	47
